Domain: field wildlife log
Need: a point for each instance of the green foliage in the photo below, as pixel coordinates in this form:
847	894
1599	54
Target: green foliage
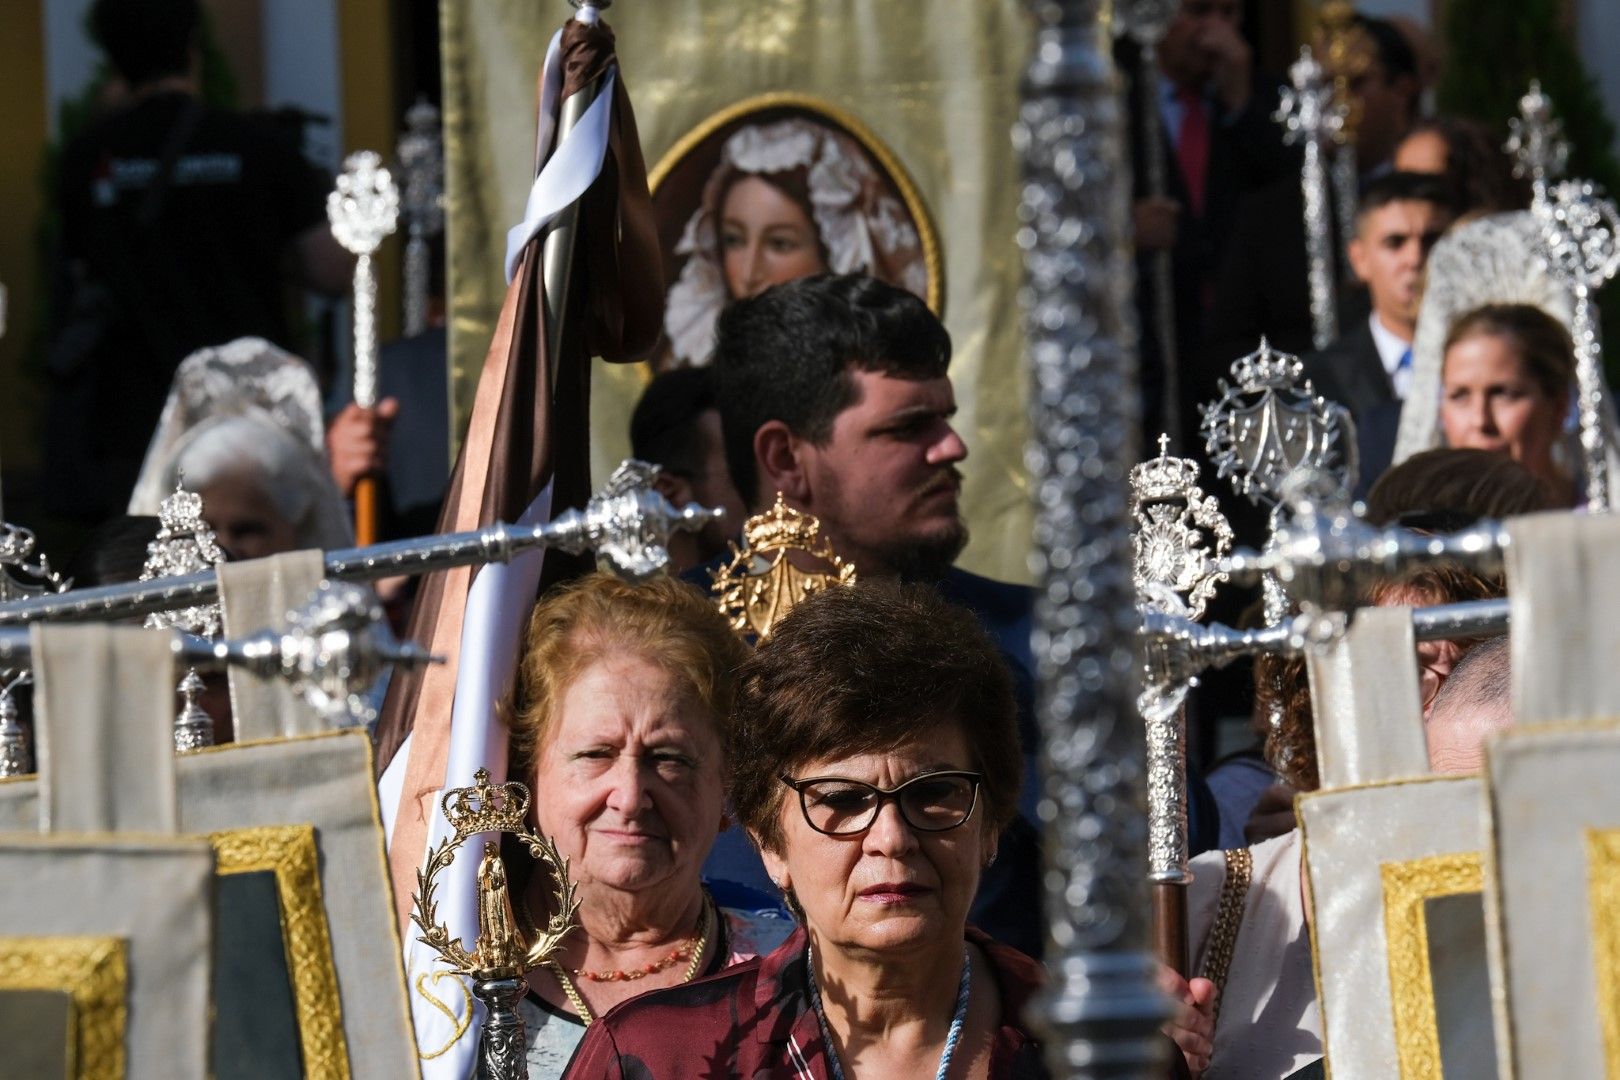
1493	49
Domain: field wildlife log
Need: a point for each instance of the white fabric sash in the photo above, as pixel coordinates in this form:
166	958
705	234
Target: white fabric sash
574	167
498	607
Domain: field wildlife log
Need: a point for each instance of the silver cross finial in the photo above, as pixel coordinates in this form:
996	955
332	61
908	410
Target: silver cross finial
1536	140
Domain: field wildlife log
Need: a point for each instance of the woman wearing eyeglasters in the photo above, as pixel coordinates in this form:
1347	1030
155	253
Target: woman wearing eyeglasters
875	762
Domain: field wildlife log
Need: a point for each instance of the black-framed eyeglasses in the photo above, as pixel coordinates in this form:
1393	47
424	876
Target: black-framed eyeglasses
932	802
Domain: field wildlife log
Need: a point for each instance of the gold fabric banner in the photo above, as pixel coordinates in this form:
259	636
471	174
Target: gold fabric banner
937	88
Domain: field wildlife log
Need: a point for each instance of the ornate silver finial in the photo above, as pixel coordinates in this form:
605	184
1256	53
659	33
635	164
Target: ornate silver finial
1310	116
1269	421
184	545
193	728
363	209
1536	140
22	572
628	523
1144	21
421	164
1326	558
1306	108
1579	231
333	651
16	751
1180	533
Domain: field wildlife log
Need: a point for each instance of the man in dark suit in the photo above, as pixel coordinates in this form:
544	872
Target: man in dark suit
834	392
1218	142
1263	287
1400	217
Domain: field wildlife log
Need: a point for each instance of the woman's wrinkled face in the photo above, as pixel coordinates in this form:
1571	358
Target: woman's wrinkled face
766	238
1489	402
245	522
891	888
630	781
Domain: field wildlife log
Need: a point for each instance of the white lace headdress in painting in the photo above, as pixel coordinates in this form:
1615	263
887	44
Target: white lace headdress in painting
863	227
1491	260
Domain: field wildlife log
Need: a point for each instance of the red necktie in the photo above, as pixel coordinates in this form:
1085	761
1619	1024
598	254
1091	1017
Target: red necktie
1192	147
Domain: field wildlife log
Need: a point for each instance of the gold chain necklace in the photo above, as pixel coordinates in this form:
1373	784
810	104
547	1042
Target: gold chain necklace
705	926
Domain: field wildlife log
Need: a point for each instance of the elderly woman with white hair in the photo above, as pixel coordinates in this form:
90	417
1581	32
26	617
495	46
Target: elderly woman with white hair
243	429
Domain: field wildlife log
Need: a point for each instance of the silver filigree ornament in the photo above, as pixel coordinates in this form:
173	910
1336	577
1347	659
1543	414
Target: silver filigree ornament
1180	534
1312	118
185	545
1579	231
1269	421
16	751
1100	1013
421	165
364	209
335	648
1536	140
23	572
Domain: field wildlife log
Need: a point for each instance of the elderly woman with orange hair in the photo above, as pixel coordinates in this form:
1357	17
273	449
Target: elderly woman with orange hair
625	693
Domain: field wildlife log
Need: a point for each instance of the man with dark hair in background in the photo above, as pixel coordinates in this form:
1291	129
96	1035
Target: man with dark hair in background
177	220
676	426
1399	219
835	392
1263	285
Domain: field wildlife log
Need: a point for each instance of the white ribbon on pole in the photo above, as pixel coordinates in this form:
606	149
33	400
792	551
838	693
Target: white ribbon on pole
497	610
575	165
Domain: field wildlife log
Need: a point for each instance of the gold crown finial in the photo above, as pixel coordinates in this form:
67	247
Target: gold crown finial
770	573
485	807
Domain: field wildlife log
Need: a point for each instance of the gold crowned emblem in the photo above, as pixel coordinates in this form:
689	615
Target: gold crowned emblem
502	950
783	559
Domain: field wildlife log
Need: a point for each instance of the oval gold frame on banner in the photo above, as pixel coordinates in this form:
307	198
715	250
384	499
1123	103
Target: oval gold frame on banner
787	103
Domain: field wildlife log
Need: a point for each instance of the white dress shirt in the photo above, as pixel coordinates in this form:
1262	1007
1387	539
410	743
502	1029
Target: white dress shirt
1391	347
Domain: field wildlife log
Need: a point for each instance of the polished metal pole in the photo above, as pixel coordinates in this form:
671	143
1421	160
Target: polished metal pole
626	523
1100	1012
557	252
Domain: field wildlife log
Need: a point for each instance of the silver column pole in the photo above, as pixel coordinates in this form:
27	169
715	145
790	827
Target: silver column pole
1101	1011
557	252
1309	116
626	523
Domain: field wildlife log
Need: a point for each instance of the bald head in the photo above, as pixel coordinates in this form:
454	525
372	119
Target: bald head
1474	701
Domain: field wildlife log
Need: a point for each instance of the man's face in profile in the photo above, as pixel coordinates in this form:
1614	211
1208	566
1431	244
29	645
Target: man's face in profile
885	482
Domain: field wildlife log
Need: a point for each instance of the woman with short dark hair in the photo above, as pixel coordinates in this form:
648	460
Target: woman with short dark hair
875	762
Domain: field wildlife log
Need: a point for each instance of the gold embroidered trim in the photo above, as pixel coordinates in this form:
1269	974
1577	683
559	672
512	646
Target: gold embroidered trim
1223	934
94	973
289	852
461	1022
1603	899
1411	983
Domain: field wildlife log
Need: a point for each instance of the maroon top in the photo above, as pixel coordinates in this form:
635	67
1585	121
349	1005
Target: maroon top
755	1021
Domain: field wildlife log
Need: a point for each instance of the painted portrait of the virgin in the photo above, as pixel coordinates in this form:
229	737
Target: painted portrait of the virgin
775	189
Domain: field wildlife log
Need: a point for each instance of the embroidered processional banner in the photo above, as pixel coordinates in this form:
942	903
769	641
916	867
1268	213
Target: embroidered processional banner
903	117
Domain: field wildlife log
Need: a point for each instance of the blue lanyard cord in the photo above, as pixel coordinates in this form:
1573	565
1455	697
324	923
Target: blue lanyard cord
953	1037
